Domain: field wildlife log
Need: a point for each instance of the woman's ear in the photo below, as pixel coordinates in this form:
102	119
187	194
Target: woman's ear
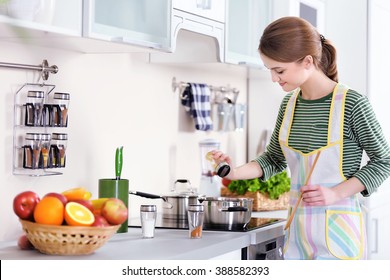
308	61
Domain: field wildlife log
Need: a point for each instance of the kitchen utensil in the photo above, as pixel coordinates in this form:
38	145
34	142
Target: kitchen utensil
118	189
227	213
175	206
210	184
118	162
300	196
183	186
195	220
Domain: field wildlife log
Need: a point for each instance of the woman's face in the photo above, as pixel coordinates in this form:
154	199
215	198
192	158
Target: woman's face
289	75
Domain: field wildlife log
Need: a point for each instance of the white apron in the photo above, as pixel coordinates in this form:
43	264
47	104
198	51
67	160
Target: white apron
330	232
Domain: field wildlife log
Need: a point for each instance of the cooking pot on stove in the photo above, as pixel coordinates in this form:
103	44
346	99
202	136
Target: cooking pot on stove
227	213
175	204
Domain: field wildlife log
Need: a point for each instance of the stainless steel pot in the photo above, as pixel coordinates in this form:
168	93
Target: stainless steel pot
227	213
175	206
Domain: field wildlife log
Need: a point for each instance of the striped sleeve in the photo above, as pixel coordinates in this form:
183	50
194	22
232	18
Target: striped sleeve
370	137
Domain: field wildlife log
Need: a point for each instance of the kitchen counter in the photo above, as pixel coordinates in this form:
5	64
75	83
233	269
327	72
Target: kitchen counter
168	244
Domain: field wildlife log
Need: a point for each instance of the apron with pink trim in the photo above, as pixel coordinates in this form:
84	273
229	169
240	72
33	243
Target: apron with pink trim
322	232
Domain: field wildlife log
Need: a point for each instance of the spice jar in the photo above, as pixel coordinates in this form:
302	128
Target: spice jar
222	169
34	107
148	220
195	220
36	150
45	148
60	109
58	149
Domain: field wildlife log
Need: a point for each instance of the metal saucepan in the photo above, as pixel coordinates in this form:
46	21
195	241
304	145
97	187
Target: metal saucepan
227	213
175	206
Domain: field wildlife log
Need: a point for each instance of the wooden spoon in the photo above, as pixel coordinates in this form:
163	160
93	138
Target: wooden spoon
300	196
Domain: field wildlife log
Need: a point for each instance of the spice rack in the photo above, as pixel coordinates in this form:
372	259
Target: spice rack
36	128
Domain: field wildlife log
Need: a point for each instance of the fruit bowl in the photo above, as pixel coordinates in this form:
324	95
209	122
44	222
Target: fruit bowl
67	240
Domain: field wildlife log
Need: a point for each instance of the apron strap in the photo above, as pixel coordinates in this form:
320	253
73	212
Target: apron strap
336	114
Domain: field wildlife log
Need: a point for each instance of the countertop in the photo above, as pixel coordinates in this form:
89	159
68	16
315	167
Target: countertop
168	244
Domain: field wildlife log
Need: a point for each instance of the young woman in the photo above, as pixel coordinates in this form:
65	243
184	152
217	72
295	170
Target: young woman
321	116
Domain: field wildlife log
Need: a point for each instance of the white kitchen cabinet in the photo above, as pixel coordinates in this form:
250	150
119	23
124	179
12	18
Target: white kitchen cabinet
214	10
378	217
378	224
245	23
145	23
39	18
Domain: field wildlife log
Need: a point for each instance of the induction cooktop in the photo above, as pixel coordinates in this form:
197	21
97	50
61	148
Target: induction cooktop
254	223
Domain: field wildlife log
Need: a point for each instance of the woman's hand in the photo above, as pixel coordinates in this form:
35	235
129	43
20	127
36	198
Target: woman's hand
219	156
316	195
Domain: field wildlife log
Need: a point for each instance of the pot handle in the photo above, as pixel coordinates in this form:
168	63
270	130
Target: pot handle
235	209
147	195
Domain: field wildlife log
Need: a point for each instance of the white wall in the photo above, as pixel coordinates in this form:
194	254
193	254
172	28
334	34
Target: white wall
116	99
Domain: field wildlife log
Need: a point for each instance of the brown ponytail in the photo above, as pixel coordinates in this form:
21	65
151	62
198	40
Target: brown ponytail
289	39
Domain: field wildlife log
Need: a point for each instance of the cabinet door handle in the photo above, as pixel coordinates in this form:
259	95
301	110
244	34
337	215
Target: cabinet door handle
375	235
203	4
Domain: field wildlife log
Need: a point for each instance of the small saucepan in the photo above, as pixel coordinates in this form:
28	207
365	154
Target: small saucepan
227	213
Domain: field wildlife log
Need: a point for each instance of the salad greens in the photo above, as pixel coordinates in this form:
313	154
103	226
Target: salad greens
274	186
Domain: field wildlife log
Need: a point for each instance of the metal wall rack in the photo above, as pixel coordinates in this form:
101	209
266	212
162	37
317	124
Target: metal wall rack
44	68
221	94
19	128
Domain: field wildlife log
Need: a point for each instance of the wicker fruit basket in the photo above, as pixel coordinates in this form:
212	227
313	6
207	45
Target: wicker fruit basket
67	240
261	202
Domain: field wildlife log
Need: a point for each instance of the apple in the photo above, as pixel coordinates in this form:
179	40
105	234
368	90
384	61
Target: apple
24	243
100	221
85	202
24	204
60	196
115	211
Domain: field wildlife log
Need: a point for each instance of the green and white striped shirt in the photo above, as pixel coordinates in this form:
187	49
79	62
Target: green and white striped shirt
309	132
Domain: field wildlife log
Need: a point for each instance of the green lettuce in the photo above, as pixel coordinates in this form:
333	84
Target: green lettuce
274	186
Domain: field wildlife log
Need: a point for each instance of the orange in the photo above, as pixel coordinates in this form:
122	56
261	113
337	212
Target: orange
78	215
77	193
49	211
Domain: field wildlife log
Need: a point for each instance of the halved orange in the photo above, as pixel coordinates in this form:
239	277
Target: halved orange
77	193
78	215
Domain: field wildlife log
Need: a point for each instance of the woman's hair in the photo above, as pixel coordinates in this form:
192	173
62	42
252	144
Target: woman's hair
290	39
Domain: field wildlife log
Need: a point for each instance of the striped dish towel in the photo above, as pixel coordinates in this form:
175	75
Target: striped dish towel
196	101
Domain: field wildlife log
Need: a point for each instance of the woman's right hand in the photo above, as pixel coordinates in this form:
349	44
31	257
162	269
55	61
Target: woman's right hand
219	156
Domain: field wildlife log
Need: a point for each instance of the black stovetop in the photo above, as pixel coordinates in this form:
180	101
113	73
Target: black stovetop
254	223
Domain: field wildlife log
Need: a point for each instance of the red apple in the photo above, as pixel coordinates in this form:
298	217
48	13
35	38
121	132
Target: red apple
60	196
85	202
100	221
115	211
24	205
24	243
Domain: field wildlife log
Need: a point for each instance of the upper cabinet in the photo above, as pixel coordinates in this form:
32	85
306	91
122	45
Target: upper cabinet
204	17
210	9
40	17
245	23
145	23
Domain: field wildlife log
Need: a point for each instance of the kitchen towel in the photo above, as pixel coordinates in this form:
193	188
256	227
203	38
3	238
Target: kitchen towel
196	101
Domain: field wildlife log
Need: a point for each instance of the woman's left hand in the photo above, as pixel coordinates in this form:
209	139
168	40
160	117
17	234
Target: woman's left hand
316	195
